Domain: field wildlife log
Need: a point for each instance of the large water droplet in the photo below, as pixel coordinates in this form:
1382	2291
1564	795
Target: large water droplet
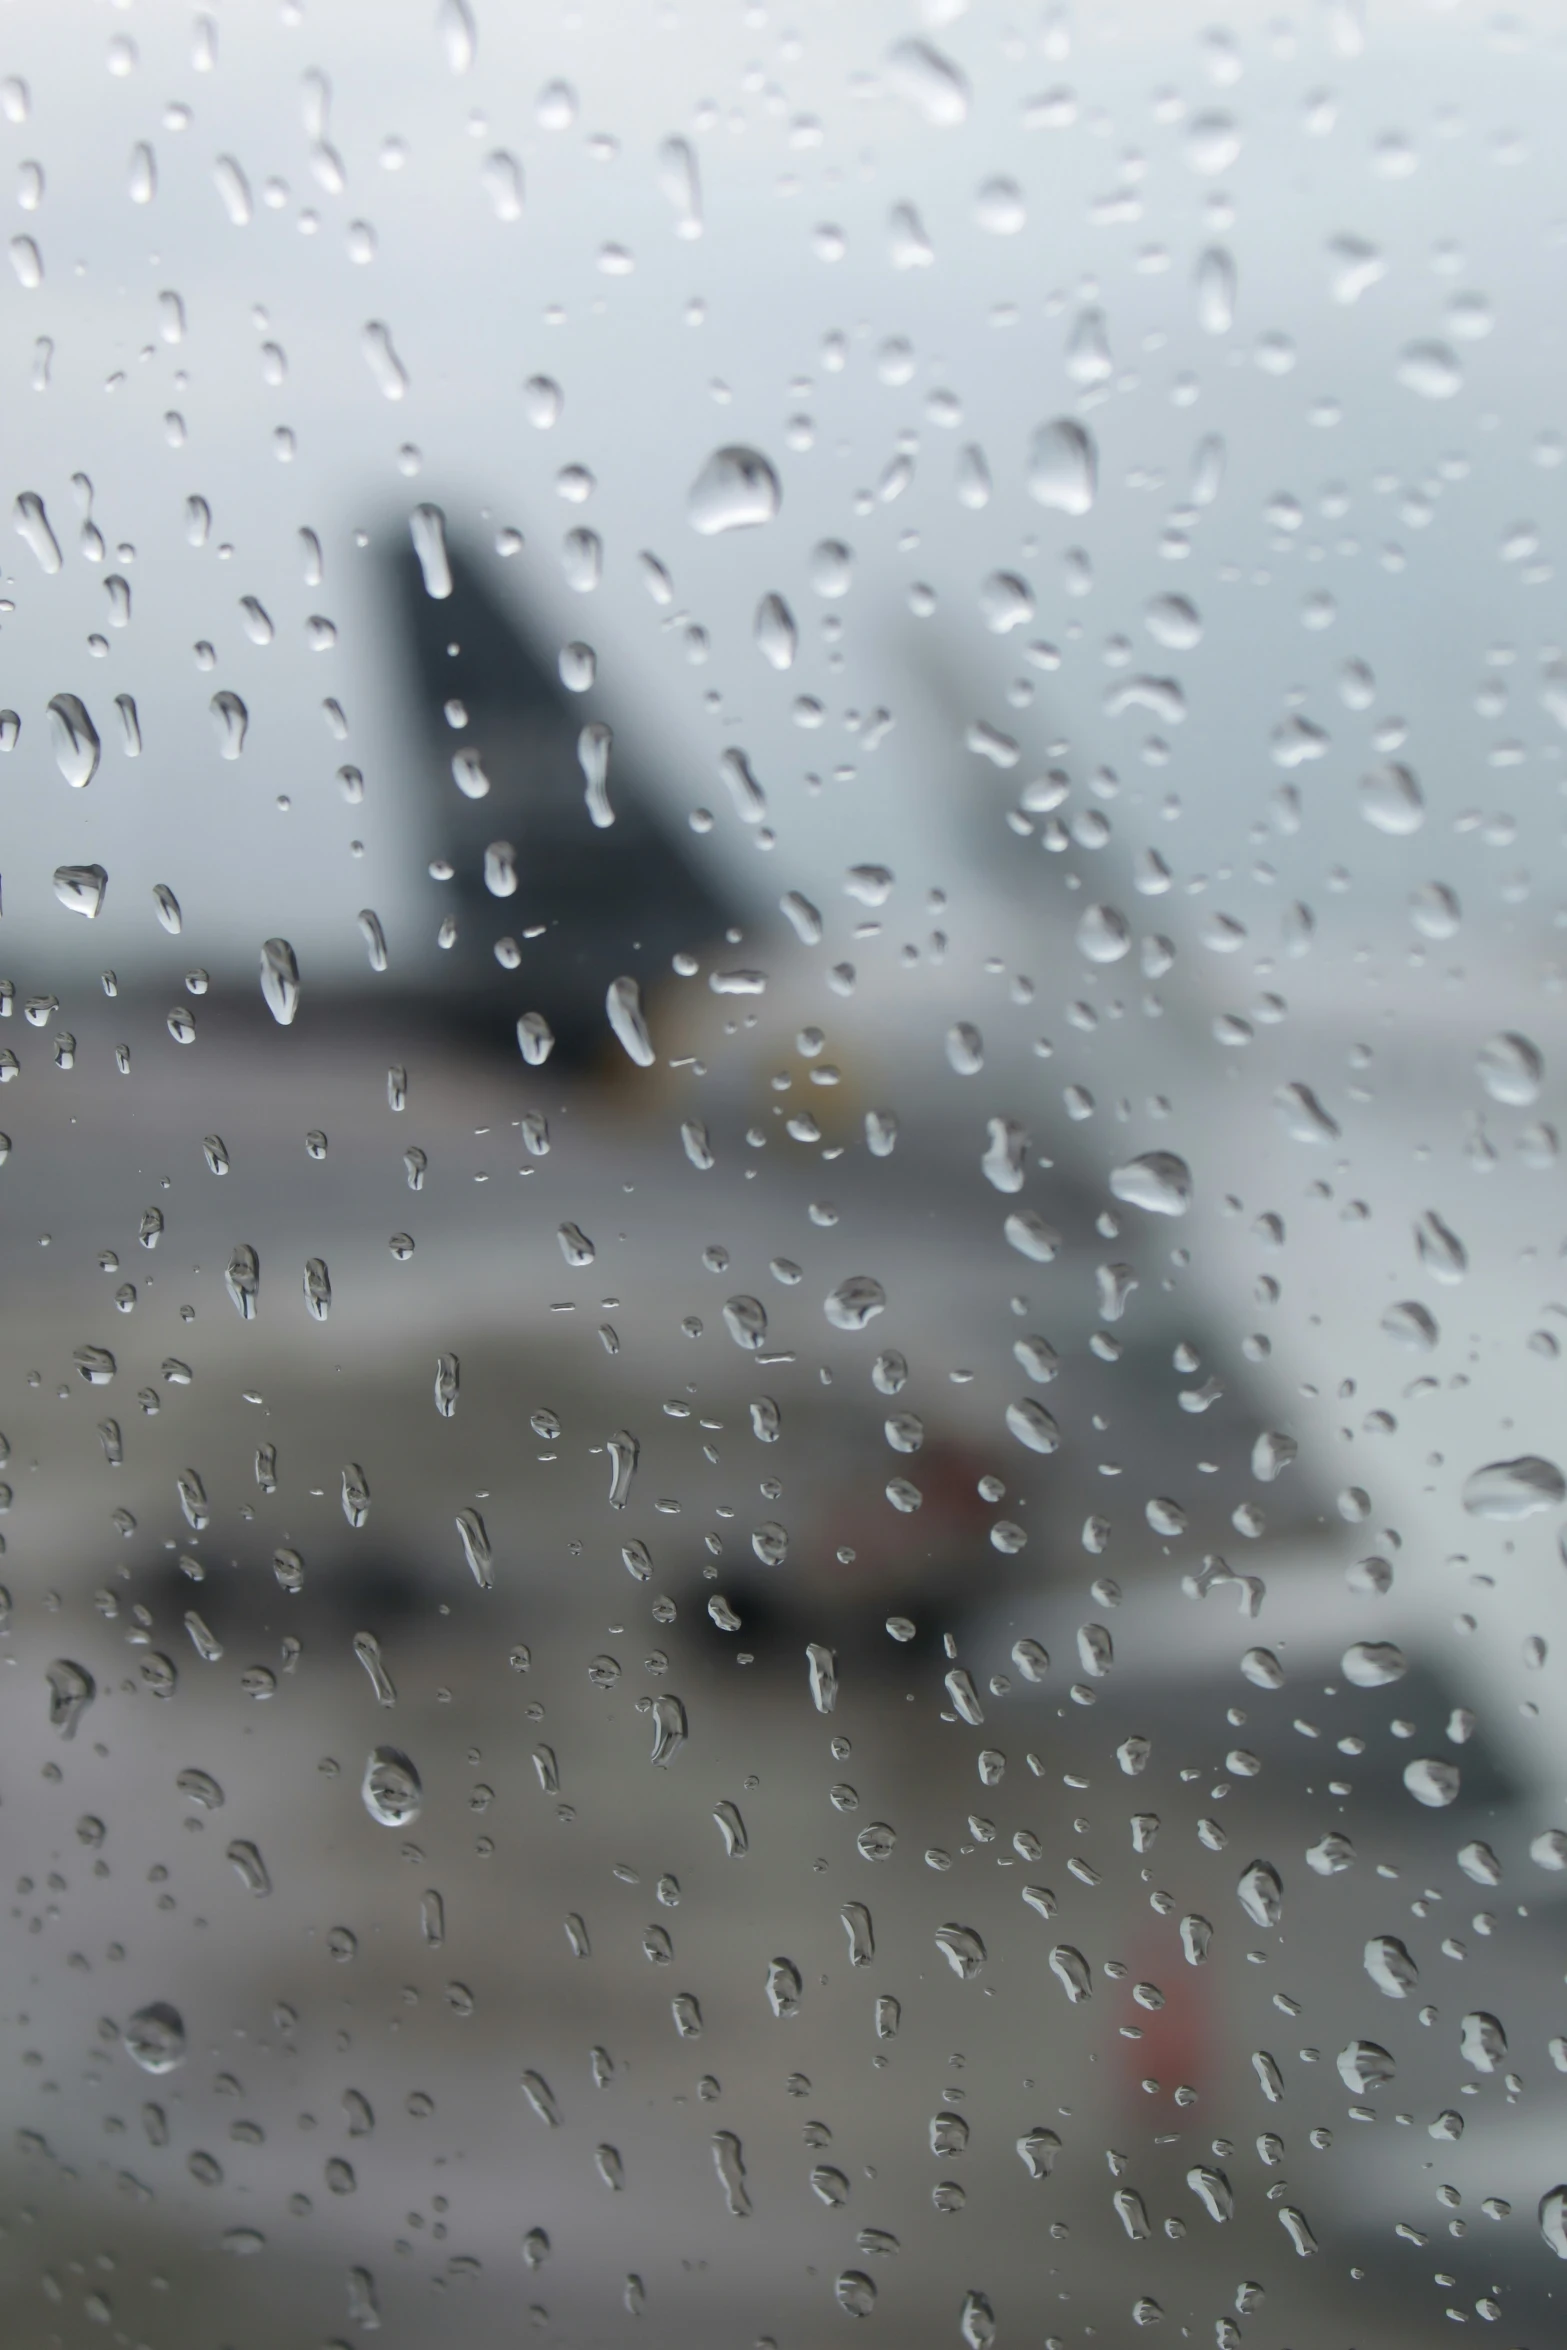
593	749
1514	1489
1260	1893
855	1302
669	1730
33	529
75	740
1032	1425
1297	2228
392	1789
427	529
1482	2041
381	358
1510	1068
729	2163
155	2037
1432	1781
1158	1182
1070	1969
1391	800
1213	2191
1216	288
962	1949
783	1987
736	490
923	78
242	1280
1103	935
1431	370
280	980
474	1536
855	2293
623	1003
1031	1236
1364	2065
776	634
231	718
1063	467
71	1691
1412	1326
1390	1966
1439	1249
80	888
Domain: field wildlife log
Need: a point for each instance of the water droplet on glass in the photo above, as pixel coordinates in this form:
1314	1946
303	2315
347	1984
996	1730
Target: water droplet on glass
855	2293
33	529
1511	1069
1514	1489
1432	1781
1103	935
155	2038
669	1729
368	1650
783	1987
459	41
1296	2227
1033	1426
279	980
249	1866
80	888
1063	467
1391	800
736	490
1071	1971
392	1789
474	1537
1553	2220
1390	1966
242	1279
962	1949
623	1003
231	719
71	1691
390	375
624	1452
1213	2191
500	176
234	190
1158	1182
680	184
855	1302
1482	2042
1373	1664
923	78
74	739
745	1319
1439	1249
729	2163
535	1039
1412	1326
1431	370
1216	287
1260	1893
427	529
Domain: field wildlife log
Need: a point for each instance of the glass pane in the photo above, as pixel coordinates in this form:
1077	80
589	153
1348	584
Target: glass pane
781	1197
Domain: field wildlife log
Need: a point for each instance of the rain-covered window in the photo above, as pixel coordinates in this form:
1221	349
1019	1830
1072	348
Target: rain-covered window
782	1056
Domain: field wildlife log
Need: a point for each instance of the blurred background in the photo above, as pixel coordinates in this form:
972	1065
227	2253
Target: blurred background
780	900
